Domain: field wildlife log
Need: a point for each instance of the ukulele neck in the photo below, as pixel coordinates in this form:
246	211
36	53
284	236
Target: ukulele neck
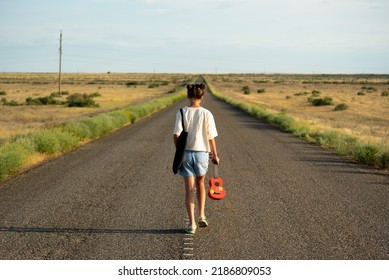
216	171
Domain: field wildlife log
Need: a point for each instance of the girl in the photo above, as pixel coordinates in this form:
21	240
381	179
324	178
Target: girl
200	146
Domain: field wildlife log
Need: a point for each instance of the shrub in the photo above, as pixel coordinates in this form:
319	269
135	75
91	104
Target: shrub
385	93
81	100
361	93
173	90
366	153
66	140
10	103
301	93
315	93
119	118
12	157
369	89
95	94
262	90
341	107
46	142
383	160
320	101
99	125
79	130
46	100
3	93
153	85
246	90
261	81
134	83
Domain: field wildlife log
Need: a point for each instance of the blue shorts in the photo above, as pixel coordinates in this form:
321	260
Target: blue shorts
194	164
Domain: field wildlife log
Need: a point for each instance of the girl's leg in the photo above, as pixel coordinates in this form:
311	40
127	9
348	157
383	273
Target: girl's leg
201	195
189	200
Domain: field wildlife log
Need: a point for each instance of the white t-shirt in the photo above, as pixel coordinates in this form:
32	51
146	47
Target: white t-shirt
201	127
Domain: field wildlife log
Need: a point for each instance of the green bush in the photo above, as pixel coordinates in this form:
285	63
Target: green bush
315	93
262	90
81	100
3	93
369	89
246	90
385	93
361	93
46	142
341	107
301	93
12	158
320	101
5	102
383	160
366	153
119	118
134	83
46	100
79	129
66	140
153	85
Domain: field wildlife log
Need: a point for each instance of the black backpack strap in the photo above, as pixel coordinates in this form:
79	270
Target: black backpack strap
182	119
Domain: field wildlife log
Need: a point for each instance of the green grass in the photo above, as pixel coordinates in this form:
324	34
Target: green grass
366	153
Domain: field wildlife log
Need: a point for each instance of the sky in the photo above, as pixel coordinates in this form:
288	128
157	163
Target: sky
197	36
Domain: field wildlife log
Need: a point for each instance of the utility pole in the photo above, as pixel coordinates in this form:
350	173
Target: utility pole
60	62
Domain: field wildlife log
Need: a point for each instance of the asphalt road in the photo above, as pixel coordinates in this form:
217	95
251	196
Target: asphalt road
117	198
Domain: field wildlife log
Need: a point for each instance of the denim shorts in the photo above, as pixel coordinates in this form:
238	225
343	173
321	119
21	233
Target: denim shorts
194	164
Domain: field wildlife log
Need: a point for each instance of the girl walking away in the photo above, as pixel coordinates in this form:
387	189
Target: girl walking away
200	146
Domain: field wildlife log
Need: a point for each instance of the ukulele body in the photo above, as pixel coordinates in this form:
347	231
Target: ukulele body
216	189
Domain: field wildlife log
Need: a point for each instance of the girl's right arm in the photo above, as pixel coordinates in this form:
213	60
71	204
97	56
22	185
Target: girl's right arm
214	156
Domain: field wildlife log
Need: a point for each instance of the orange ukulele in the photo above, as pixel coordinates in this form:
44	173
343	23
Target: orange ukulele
216	189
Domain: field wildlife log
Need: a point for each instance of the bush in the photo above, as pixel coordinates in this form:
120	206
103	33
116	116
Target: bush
361	93
81	100
366	153
46	100
66	140
153	85
246	90
315	93
99	125
262	90
369	89
341	107
12	157
46	142
301	93
383	160
3	93
385	93
10	103
320	101
134	83
79	130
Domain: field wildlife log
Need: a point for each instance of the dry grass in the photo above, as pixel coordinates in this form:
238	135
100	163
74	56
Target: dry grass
367	116
114	92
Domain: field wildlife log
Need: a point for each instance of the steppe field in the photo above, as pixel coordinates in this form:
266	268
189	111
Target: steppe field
112	91
364	99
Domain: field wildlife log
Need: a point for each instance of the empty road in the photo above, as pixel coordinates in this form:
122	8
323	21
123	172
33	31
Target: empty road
117	198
